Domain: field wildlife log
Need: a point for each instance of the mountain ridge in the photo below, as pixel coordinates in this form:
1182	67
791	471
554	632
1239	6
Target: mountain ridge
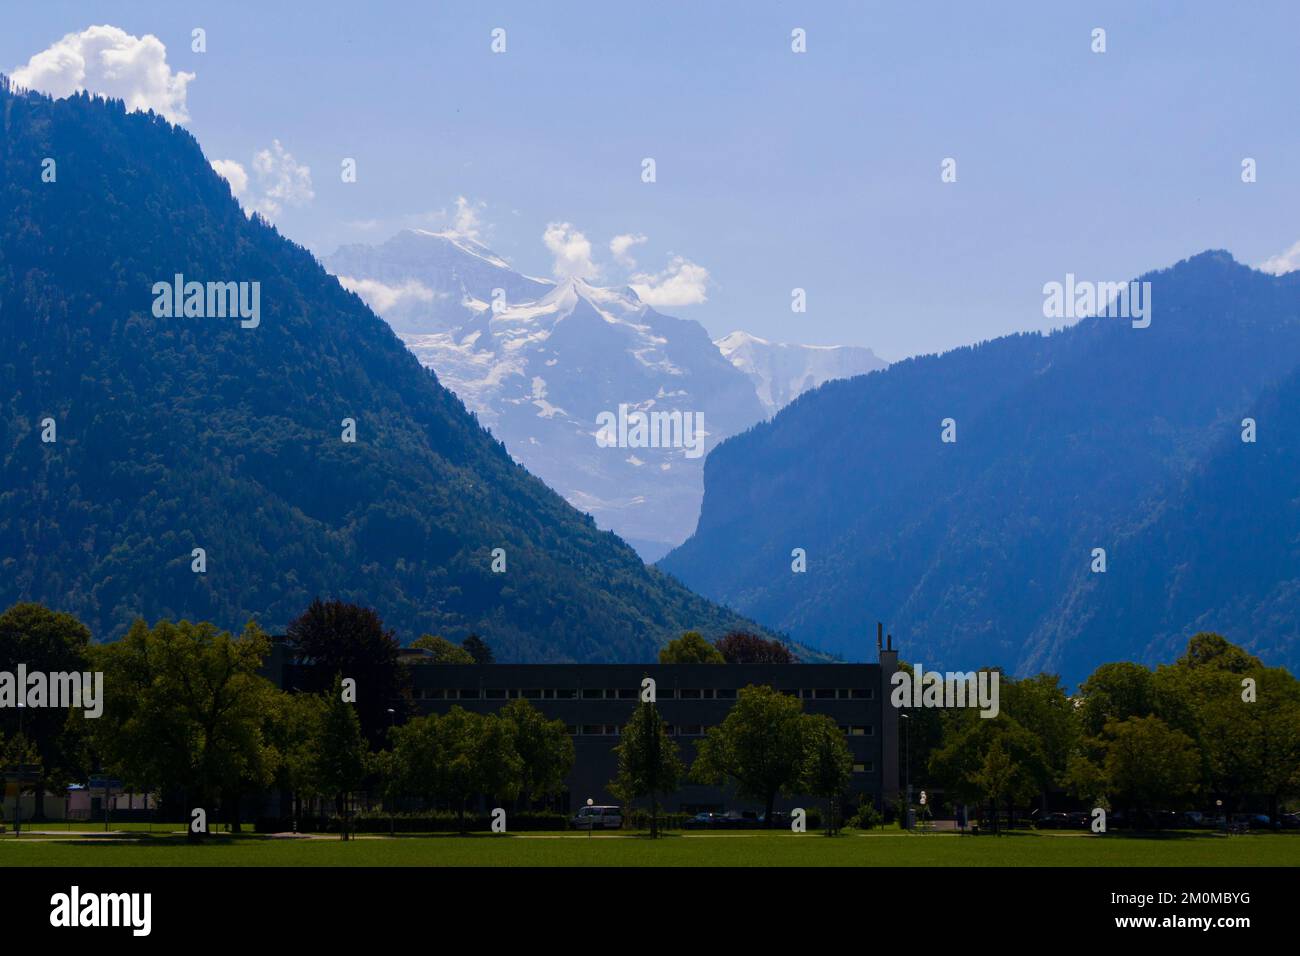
975	549
177	433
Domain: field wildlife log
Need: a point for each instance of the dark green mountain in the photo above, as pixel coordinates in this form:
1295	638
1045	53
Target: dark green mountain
1101	435
183	433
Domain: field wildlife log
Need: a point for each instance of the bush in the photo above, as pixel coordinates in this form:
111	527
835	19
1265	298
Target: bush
867	818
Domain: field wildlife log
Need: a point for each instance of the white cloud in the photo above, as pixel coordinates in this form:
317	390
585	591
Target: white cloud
381	297
467	222
682	283
620	245
278	179
1282	263
281	180
233	173
572	251
109	61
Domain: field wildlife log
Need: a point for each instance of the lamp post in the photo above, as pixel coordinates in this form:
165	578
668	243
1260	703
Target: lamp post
907	769
18	790
591	819
392	813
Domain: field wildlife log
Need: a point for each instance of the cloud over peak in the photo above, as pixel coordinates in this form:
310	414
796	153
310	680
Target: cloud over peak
109	61
572	251
682	283
278	180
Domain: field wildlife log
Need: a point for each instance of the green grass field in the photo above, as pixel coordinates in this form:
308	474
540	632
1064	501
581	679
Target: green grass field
735	849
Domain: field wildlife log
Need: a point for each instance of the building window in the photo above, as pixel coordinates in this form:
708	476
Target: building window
565	693
593	730
495	693
860	693
465	694
666	693
592	693
857	731
534	693
690	693
627	693
726	693
693	730
859	768
571	729
824	693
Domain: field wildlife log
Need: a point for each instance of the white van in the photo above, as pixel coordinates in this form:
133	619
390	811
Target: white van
599	818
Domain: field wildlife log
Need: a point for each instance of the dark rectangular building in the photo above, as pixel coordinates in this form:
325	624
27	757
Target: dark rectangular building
595	700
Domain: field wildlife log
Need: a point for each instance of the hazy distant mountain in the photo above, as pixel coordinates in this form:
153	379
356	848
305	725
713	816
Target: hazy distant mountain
423	282
539	362
980	551
177	433
782	372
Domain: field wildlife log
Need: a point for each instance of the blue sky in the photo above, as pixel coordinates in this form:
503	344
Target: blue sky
775	170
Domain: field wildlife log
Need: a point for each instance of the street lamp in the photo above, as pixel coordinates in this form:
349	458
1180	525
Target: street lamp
591	819
392	812
907	765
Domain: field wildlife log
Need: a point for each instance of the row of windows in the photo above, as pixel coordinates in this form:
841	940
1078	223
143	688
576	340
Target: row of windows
686	730
629	693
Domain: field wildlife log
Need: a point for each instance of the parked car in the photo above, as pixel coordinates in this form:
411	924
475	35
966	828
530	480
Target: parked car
598	818
1258	821
731	820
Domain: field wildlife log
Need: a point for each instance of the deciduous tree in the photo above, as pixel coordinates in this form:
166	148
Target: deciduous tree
648	761
759	745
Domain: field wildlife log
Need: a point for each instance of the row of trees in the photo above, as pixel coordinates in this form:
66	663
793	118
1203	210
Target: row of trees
1214	725
187	714
765	746
510	755
738	647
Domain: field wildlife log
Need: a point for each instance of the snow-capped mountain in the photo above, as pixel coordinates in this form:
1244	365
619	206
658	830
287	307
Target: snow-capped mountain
421	281
782	372
541	362
545	365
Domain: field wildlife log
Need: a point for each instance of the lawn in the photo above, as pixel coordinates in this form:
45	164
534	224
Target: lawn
703	849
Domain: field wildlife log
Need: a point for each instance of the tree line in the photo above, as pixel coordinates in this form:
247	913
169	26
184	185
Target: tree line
188	715
1214	726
